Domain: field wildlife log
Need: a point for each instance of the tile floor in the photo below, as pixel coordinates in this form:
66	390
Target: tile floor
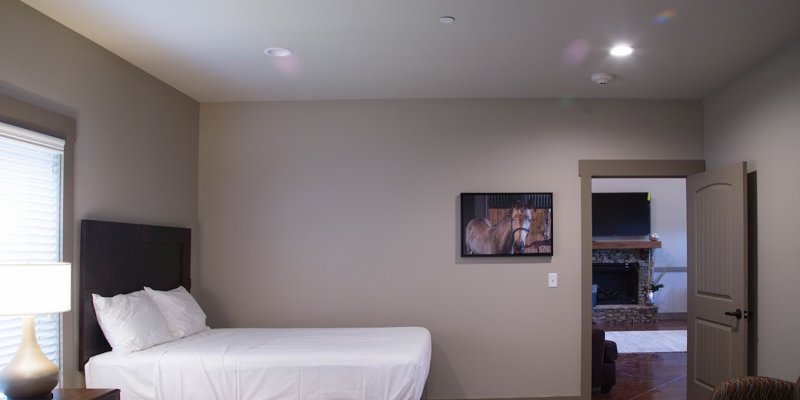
648	376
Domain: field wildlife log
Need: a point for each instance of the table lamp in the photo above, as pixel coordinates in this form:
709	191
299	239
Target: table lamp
26	290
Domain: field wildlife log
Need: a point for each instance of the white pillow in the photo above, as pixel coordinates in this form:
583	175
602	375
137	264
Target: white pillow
184	316
131	322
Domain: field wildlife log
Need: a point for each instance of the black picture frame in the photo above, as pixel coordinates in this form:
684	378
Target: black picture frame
494	224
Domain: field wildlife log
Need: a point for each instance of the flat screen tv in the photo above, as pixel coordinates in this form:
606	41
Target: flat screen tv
620	214
506	224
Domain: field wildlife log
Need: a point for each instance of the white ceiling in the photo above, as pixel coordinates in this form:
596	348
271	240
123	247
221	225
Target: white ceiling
212	50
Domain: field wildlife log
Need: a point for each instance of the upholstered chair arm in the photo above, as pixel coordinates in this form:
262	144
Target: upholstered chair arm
754	388
610	354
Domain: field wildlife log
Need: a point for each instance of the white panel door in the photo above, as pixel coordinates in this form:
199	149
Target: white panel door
716	207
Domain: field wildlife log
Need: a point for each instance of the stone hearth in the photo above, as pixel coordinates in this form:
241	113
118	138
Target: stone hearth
625	313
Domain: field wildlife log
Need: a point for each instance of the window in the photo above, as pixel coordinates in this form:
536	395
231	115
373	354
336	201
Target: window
31	222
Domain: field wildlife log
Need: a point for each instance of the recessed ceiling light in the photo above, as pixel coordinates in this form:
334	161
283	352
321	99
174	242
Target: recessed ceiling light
278	51
446	19
621	50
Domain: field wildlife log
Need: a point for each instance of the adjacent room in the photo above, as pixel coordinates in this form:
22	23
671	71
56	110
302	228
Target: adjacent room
639	282
393	200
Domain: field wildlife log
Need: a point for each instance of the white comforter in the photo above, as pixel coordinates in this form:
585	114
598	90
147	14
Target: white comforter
260	364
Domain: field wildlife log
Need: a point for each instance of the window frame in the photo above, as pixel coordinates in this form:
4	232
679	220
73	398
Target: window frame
32	112
21	139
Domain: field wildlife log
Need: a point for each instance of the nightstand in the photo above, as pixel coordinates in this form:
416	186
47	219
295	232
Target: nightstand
86	394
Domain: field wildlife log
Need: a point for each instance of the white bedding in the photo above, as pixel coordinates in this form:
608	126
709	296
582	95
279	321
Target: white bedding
261	364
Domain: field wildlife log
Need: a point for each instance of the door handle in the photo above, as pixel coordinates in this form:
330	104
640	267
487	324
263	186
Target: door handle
737	313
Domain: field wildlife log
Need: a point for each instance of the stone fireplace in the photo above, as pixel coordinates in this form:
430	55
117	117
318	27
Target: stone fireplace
621	275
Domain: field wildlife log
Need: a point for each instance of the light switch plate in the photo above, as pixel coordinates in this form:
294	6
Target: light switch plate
552	279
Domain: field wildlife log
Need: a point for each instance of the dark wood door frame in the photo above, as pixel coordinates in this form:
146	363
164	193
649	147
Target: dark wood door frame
588	169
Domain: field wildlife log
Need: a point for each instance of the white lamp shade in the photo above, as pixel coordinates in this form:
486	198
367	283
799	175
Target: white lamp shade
41	288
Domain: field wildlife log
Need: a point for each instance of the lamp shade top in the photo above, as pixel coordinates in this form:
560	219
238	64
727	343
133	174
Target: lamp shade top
35	288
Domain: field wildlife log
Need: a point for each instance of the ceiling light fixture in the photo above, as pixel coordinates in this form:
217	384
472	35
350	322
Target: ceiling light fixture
446	19
621	50
278	51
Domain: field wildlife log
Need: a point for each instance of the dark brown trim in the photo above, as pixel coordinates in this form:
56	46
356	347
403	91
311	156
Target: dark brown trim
752	272
640	168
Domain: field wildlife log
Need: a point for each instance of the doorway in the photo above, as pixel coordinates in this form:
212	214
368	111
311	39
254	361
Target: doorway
589	169
650	338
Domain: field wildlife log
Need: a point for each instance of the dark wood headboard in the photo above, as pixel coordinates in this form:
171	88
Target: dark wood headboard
118	258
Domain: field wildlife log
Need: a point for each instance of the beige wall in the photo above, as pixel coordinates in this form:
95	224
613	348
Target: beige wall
136	144
345	214
756	118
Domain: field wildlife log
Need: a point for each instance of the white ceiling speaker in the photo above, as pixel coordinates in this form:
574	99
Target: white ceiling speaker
602	78
278	51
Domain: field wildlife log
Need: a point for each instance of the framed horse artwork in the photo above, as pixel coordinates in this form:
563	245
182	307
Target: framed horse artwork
506	224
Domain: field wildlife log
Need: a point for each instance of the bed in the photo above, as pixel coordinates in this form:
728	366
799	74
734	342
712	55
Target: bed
230	364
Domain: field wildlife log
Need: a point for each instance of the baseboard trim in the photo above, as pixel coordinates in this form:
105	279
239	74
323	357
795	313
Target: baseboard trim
669	316
670	269
525	398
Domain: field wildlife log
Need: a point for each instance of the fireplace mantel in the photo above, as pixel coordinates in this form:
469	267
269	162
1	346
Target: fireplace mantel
625	244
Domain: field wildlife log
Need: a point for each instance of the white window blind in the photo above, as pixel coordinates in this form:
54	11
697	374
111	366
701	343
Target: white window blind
31	169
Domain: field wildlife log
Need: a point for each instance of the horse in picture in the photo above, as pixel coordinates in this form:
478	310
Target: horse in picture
506	237
542	231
